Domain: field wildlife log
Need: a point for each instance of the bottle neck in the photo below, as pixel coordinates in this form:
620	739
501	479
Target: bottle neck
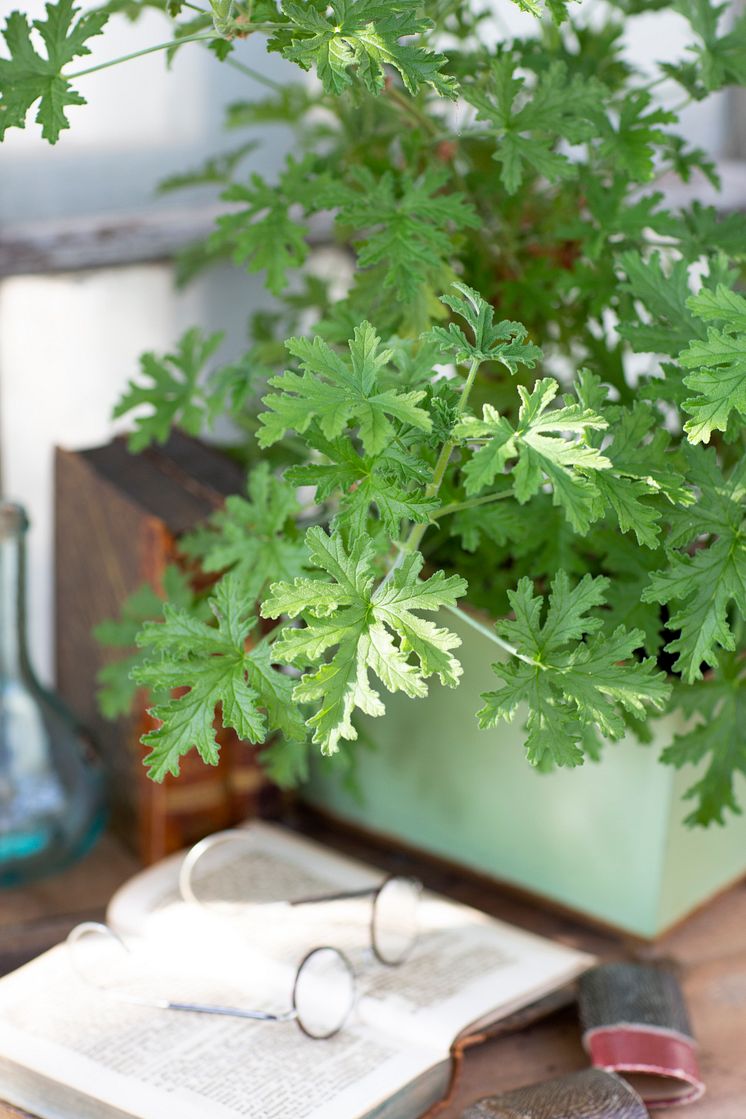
13	653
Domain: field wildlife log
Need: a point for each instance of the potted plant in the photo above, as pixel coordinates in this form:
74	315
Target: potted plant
457	476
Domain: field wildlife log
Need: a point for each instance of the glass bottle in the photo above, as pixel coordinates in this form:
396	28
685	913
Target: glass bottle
51	784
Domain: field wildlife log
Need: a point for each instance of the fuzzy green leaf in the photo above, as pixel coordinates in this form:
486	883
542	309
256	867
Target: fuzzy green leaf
538	452
254	539
27	76
212	661
719	364
358	39
116	689
364	483
572	677
665	298
720	60
718	739
338	393
631	146
265	235
369	629
528	126
700	588
171	387
504	341
409	224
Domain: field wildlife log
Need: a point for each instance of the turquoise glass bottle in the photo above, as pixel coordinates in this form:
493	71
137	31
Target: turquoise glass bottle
52	796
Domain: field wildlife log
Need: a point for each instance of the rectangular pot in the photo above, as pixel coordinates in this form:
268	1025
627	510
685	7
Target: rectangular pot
606	840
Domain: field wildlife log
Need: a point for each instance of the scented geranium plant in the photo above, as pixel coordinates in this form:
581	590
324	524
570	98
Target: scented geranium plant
528	406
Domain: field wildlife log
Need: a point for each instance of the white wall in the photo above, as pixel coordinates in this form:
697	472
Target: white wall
141	123
68	345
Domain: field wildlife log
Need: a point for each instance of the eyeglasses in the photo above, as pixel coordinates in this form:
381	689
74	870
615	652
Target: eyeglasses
323	996
393	927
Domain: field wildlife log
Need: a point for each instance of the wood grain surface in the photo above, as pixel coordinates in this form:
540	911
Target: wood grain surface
709	949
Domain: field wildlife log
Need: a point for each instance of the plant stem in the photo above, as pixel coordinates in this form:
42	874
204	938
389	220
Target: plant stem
409	107
491	635
418	531
203	37
681	105
270	83
457	506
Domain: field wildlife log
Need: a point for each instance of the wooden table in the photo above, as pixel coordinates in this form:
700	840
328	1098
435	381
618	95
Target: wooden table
710	949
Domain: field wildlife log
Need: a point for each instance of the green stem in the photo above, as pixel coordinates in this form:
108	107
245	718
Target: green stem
491	635
457	506
251	73
203	37
418	531
682	105
408	106
655	83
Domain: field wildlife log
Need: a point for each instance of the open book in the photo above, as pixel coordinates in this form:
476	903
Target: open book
70	1051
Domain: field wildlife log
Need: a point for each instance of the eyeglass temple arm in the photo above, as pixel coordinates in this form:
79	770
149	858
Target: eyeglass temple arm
231	1011
342	896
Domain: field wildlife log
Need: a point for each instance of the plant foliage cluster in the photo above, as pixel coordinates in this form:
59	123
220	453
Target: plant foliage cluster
532	393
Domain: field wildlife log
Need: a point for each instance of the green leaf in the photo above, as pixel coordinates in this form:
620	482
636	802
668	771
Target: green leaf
263	235
700	588
364	483
720	60
368	630
504	341
217	169
719	364
629	567
665	298
356	39
642	463
116	689
571	676
170	387
703	230
528	125
286	762
558	9
339	392
27	76
538	452
631	145
718	740
254	539
409	224
213	663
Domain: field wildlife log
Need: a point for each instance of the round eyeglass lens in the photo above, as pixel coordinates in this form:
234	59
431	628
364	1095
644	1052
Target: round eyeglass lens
324	992
395	926
99	957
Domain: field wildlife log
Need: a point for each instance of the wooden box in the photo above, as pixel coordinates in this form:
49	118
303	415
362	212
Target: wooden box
118	519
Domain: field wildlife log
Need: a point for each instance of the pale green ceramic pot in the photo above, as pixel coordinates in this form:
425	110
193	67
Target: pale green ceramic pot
606	840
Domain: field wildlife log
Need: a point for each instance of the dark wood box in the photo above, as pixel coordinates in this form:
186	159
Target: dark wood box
118	519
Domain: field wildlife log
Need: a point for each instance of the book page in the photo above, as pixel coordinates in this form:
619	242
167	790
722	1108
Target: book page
272	865
160	1064
465	968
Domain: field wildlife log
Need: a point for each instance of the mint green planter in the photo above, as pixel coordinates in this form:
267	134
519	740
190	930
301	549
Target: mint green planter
605	840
